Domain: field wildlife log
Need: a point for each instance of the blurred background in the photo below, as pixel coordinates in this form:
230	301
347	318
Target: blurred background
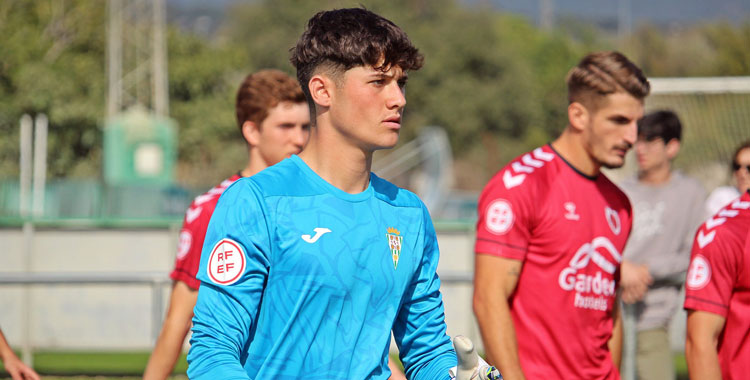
115	114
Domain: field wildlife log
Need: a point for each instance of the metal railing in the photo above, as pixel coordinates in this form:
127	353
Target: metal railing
155	280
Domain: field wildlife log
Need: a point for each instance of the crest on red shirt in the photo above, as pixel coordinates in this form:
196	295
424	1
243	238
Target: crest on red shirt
613	219
183	247
699	273
499	217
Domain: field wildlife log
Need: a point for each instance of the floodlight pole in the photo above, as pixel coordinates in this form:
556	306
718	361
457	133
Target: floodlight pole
137	56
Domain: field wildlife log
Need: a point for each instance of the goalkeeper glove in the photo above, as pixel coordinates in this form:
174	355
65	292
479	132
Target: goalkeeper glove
470	365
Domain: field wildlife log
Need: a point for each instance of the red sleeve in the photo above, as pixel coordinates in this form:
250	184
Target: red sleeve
503	228
713	271
189	248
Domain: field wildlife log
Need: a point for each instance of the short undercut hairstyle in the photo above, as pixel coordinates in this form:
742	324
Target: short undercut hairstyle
602	73
340	39
660	124
262	91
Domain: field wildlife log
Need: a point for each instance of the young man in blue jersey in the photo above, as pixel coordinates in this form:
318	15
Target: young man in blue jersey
309	265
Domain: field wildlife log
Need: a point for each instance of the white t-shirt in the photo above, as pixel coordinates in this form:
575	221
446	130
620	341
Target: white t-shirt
720	197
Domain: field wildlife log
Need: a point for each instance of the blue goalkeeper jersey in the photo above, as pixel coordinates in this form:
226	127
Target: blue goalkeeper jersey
300	279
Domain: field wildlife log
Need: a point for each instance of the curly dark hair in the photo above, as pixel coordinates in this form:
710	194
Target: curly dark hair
340	39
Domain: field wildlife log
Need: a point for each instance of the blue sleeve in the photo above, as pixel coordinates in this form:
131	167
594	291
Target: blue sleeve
419	330
231	285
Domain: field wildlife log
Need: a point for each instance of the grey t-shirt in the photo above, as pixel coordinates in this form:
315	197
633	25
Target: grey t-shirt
665	218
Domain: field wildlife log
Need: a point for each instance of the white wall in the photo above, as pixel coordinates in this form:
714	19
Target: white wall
119	316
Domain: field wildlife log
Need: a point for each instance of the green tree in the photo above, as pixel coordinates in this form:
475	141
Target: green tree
52	62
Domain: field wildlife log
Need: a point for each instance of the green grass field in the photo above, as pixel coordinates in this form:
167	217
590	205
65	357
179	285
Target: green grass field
130	365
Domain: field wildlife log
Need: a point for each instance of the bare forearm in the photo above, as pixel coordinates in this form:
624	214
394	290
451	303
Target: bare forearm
701	353
702	361
499	337
173	332
5	350
615	342
166	352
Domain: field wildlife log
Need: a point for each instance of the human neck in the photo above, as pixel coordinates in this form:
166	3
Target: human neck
570	147
343	165
657	175
255	164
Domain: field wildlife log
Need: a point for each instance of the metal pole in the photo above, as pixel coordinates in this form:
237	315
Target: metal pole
27	353
40	164
156	310
160	95
546	14
624	22
114	58
28	232
25	165
630	341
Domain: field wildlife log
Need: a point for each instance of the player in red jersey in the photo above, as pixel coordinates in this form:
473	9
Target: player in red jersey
274	120
717	296
551	232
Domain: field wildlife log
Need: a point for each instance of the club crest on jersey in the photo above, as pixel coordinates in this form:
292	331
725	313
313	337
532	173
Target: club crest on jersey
394	243
183	247
699	273
499	217
613	219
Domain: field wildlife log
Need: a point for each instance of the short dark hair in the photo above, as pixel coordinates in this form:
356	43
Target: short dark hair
341	39
602	73
263	90
662	124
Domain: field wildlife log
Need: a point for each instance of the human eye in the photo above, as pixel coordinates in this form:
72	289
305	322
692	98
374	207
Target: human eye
620	120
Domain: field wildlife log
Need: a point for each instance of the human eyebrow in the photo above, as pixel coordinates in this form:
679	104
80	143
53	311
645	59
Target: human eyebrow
403	78
619	119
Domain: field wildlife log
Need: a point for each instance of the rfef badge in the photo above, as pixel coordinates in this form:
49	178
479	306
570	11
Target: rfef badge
394	243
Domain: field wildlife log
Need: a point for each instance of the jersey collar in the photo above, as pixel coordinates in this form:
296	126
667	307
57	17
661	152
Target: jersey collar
582	174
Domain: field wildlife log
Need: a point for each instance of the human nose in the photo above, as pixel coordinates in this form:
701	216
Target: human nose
300	136
640	146
631	133
397	97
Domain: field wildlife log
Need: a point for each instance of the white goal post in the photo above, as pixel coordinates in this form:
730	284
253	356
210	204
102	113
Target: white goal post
715	115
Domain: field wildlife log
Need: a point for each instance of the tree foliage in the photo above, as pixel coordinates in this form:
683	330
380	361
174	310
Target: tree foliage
493	80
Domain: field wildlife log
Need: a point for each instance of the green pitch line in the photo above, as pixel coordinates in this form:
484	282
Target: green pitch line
74	365
95	363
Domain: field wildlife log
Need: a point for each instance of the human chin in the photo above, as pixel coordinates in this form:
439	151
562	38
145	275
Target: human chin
613	162
388	142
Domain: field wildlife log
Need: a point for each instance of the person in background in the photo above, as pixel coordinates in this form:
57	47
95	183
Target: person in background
717	296
17	369
274	121
550	234
658	251
721	196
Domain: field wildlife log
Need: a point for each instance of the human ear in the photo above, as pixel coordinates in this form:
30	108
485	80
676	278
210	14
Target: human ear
673	147
251	133
578	116
320	90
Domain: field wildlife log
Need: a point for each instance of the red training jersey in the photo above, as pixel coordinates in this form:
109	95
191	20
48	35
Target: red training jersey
193	233
569	230
718	281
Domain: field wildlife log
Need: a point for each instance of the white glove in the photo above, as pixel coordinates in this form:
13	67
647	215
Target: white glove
470	365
